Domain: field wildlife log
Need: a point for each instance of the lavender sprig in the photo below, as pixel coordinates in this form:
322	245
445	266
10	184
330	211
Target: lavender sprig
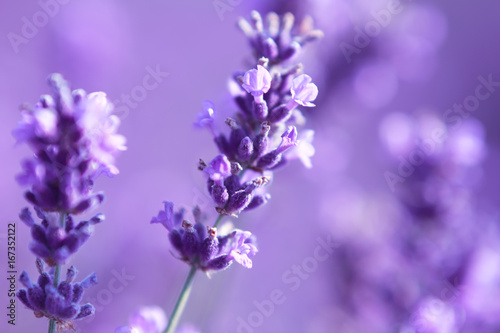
262	134
74	139
58	301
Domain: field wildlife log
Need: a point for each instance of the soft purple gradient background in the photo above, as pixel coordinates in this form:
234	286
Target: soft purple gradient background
106	45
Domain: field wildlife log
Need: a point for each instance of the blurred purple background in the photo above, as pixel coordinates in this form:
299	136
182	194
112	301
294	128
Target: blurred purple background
396	264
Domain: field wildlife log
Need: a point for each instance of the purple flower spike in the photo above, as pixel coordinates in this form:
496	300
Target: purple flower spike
74	139
219	169
206	117
257	82
303	92
60	303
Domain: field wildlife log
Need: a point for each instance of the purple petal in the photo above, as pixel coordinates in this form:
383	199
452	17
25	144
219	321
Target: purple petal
166	216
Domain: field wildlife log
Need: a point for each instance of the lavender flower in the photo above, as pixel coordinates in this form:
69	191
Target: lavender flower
60	303
267	96
201	247
74	139
51	242
257	82
218	169
303	92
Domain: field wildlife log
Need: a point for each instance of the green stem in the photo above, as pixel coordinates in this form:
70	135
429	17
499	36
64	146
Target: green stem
57	271
217	221
181	301
183	297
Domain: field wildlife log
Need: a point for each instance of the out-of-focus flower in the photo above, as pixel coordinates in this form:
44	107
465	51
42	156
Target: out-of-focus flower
148	319
74	139
304	150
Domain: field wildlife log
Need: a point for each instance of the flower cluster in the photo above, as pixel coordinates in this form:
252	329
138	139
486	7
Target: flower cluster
74	139
200	246
53	243
264	130
60	302
261	134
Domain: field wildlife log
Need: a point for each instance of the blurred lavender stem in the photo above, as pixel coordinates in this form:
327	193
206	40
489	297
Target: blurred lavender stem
57	271
182	300
186	290
217	221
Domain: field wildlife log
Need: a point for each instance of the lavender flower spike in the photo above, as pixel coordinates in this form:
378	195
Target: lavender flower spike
202	248
257	82
303	92
74	139
61	304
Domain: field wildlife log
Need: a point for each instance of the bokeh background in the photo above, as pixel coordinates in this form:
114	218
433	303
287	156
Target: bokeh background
422	258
